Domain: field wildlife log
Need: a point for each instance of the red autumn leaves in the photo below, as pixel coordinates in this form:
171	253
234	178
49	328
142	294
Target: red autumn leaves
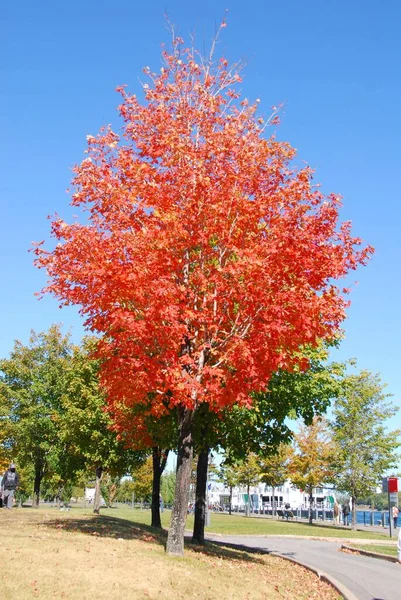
206	260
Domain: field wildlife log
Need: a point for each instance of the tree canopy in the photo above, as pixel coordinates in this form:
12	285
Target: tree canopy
206	258
311	461
366	449
32	384
53	413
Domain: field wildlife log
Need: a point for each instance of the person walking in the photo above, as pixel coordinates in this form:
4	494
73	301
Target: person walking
346	513
288	512
9	485
336	512
395	513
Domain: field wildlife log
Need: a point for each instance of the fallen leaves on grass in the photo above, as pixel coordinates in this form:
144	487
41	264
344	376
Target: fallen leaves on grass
130	562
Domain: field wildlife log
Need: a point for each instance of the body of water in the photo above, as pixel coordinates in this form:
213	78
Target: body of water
364	517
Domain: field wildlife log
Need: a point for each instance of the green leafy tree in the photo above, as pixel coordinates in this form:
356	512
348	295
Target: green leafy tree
168	487
300	394
31	385
274	469
228	474
142	478
379	501
109	488
374	501
78	490
311	459
26	479
365	449
125	491
5	423
248	474
86	429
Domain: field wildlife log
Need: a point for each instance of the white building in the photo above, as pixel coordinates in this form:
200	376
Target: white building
261	497
90	496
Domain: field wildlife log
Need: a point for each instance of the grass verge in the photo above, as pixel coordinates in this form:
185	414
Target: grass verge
47	554
387	549
240	525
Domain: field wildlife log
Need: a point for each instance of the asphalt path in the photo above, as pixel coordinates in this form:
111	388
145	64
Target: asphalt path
365	577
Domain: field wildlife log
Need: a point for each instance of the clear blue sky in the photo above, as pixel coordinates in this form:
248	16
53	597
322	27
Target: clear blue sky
334	63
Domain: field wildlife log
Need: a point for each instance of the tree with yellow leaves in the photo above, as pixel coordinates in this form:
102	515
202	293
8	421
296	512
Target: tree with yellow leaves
311	459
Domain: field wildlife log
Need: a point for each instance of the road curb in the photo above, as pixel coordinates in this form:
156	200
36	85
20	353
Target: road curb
387	557
337	585
340	587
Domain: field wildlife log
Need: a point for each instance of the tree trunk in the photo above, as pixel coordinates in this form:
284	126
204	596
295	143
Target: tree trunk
353	521
112	494
96	500
175	538
310	508
247	502
231	500
198	536
273	502
36	484
159	462
59	496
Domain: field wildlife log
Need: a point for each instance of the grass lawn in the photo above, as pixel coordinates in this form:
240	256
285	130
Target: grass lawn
74	555
237	525
390	550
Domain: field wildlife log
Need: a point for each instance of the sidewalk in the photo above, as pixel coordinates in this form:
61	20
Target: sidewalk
359	527
362	577
327	523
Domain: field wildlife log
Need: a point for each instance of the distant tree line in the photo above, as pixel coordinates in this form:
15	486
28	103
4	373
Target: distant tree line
58	427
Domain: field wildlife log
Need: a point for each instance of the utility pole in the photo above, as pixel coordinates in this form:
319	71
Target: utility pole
390	485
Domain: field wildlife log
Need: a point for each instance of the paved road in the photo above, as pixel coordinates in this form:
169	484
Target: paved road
367	578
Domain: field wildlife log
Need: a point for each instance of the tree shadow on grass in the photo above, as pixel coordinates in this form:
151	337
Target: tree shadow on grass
226	551
117	528
110	527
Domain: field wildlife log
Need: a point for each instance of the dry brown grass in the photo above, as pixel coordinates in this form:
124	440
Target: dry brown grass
47	554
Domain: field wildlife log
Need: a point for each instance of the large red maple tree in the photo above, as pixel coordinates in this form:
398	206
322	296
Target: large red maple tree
206	258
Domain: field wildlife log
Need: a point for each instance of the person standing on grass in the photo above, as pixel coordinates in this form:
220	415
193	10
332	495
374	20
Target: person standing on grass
395	513
9	485
336	512
346	513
